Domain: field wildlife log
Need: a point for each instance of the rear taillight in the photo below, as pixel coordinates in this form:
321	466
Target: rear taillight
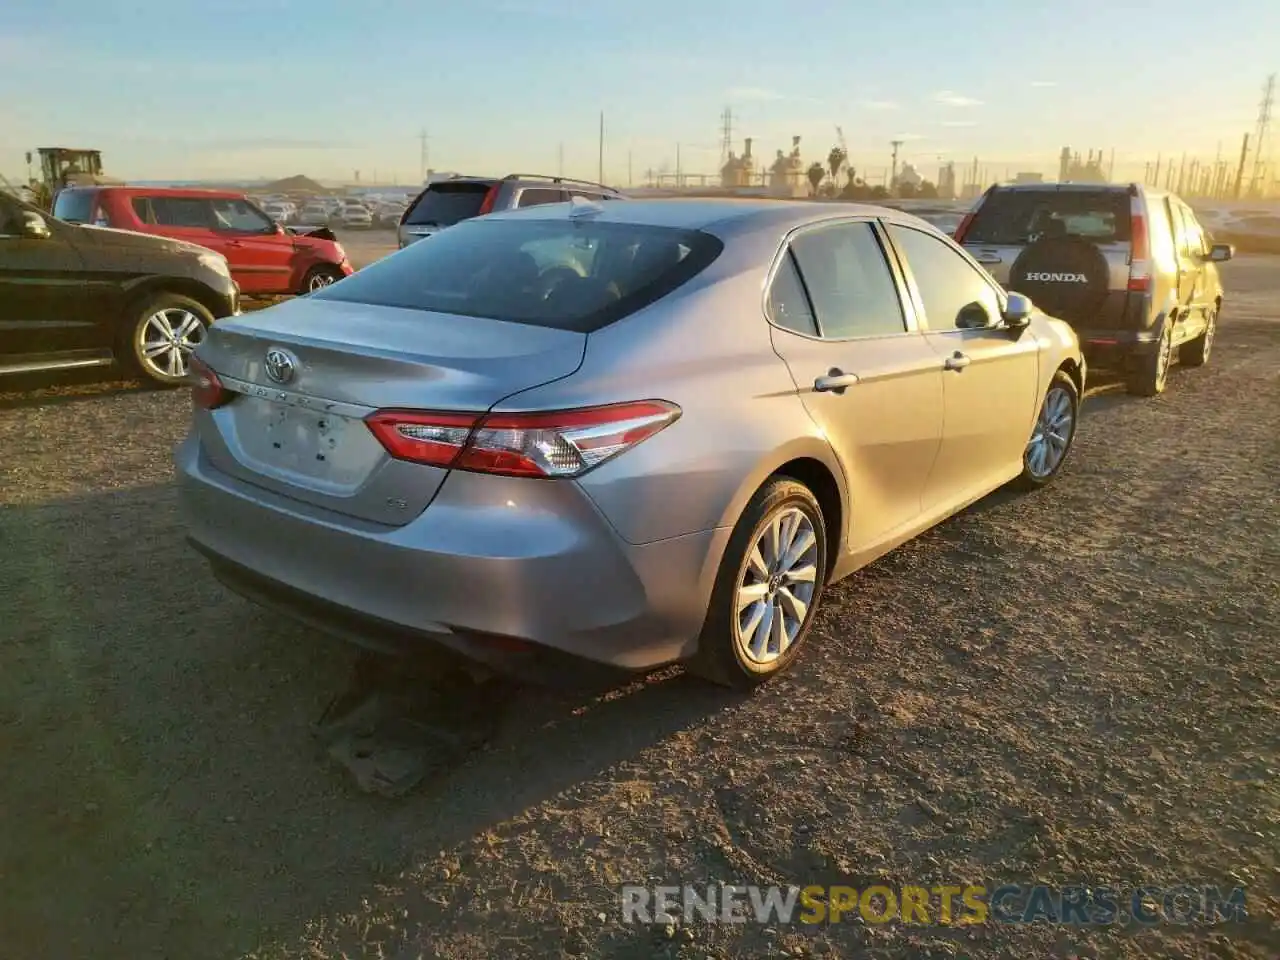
565	443
490	197
967	222
207	391
1139	247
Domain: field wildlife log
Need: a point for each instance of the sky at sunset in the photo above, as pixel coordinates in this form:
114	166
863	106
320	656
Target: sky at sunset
247	88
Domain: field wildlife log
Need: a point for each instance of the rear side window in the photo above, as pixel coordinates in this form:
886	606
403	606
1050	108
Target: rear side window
562	274
788	303
182	212
444	204
537	196
75	206
849	282
1022	216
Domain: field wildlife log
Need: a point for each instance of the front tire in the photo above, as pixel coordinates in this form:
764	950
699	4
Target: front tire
318	278
1053	435
769	585
165	332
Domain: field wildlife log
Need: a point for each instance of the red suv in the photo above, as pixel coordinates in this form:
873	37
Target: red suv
265	258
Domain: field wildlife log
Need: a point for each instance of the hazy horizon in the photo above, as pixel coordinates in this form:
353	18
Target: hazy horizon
183	94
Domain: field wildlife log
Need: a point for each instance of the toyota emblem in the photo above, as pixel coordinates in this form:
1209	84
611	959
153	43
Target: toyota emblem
281	365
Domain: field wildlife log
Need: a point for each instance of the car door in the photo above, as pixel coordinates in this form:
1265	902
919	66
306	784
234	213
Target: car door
1189	262
260	254
991	375
1197	271
182	218
42	291
537	196
866	376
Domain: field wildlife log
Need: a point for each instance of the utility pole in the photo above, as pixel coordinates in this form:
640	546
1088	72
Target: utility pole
1244	153
424	155
1256	184
726	135
600	168
893	177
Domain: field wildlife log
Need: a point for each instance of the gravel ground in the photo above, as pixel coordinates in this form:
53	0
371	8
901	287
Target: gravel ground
1078	685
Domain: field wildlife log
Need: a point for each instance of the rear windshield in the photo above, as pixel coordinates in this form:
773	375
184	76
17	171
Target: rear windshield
1017	217
75	206
562	274
444	204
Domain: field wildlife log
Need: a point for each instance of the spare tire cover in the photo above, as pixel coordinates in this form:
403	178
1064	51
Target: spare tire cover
1066	277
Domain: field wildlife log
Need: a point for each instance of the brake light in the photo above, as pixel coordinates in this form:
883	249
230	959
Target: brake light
563	443
1139	248
490	197
207	391
967	221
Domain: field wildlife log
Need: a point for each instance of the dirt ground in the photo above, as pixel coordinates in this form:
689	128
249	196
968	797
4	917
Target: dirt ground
1073	686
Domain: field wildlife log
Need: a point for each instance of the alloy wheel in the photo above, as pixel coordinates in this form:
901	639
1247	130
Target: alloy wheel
166	341
319	281
774	595
1052	434
1164	358
1209	330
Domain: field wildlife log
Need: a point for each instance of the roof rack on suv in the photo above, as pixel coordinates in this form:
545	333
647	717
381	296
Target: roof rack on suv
550	179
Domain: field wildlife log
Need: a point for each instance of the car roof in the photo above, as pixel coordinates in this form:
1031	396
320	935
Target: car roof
195	192
715	215
524	178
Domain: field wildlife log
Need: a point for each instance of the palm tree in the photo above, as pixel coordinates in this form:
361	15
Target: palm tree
835	160
817	173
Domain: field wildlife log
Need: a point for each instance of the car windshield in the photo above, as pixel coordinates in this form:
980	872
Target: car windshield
444	204
74	206
1018	217
570	275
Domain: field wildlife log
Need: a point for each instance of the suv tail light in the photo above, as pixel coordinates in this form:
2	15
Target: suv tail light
564	443
490	197
207	391
1139	248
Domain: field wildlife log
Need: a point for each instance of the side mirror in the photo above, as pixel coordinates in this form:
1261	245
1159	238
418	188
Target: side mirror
1018	309
34	226
1220	253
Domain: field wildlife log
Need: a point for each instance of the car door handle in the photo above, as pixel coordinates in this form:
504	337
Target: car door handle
835	381
957	361
988	258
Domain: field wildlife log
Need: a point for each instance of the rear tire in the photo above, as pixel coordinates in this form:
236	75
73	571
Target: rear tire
1148	375
318	278
1196	353
763	602
165	330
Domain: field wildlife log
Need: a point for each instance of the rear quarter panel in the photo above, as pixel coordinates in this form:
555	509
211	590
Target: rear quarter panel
708	351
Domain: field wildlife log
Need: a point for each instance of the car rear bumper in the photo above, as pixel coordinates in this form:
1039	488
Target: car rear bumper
1112	348
500	570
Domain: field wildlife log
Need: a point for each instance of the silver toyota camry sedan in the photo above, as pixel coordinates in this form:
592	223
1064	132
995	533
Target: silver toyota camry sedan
632	433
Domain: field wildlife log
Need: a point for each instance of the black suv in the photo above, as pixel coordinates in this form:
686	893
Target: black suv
1129	267
446	202
80	296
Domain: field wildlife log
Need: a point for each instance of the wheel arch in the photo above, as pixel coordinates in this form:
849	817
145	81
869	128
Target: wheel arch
181	286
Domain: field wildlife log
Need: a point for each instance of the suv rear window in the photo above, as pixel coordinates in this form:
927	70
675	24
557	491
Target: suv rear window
561	274
75	206
444	204
1021	216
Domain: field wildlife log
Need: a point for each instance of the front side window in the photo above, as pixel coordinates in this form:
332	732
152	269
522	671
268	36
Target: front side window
75	206
239	216
954	293
849	282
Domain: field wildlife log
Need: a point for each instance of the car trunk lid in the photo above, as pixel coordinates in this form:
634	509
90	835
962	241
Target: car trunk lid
306	373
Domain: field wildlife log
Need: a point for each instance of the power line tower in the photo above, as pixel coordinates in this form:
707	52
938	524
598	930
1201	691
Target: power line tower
726	135
1256	184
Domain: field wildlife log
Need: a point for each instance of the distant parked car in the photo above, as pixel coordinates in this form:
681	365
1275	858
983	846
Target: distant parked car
355	216
280	211
1129	267
77	297
265	258
446	202
315	214
483	442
